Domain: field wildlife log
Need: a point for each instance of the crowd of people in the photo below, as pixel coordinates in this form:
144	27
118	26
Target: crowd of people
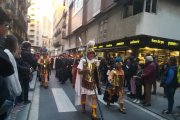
17	64
137	74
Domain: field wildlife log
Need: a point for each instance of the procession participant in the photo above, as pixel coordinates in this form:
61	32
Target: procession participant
74	69
62	67
115	87
45	64
69	69
84	87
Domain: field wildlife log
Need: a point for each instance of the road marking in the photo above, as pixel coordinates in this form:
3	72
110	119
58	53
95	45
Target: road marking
34	111
100	97
62	101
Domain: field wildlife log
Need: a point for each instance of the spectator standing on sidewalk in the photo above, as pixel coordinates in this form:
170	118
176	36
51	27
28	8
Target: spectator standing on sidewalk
102	68
5	65
149	77
171	83
12	81
24	72
156	76
139	82
164	68
27	56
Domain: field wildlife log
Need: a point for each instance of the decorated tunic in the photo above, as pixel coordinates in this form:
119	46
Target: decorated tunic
46	65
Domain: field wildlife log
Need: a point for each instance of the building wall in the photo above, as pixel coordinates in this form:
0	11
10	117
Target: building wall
165	23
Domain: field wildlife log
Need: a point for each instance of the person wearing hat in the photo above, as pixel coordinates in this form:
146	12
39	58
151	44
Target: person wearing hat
85	95
115	87
45	65
149	77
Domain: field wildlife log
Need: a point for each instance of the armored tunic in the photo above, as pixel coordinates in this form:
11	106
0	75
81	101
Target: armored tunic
117	80
46	64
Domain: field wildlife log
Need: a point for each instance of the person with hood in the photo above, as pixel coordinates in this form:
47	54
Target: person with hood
12	81
171	83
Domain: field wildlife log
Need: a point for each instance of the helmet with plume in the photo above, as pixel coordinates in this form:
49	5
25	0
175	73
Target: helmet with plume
90	46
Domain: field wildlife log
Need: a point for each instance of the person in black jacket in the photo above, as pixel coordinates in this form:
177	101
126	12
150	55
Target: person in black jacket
62	67
27	56
139	82
24	71
69	69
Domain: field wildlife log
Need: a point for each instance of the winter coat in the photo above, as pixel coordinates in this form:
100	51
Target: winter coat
23	68
149	73
138	79
29	58
13	80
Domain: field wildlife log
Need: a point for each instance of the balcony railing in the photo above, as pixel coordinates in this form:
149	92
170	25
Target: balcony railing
21	18
10	6
63	35
64	24
56	44
64	13
28	18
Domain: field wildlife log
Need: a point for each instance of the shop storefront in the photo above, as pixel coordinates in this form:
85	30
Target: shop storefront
161	48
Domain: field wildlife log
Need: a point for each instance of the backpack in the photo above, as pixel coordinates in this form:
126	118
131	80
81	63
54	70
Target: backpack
178	74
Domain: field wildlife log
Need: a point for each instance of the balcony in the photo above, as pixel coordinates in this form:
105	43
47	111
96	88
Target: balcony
10	7
64	13
64	24
20	39
56	44
64	35
31	33
28	19
20	19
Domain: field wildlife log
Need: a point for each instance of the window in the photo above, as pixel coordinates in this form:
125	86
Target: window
78	4
37	43
37	32
151	6
133	7
103	29
37	37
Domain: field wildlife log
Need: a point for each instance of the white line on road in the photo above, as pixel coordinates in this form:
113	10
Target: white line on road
62	101
137	106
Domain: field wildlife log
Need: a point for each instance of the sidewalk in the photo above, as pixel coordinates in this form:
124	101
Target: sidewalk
159	103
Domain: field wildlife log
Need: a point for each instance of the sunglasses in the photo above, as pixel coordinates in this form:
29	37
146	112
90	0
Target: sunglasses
7	25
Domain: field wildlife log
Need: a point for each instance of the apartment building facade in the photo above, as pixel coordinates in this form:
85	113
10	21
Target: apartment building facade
17	9
137	26
59	27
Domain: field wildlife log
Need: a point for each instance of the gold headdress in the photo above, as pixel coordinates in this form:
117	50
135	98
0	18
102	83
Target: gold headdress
118	64
90	46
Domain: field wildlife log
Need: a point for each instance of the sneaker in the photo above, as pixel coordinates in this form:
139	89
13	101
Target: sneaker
135	101
167	112
27	102
128	93
138	101
17	108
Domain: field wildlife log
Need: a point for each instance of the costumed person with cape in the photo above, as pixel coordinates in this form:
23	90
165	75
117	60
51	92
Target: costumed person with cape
45	64
85	95
115	87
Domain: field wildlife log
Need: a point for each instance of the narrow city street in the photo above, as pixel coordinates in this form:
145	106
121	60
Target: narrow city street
58	103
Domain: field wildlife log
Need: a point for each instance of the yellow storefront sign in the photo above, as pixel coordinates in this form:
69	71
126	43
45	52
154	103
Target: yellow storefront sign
173	44
101	46
119	43
109	45
134	42
95	47
157	41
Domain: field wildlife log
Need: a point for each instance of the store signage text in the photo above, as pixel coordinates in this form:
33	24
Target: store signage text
95	47
101	46
109	45
134	42
157	41
119	43
173	44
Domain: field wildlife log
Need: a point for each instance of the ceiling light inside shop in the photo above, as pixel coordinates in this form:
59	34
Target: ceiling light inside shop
130	50
155	49
147	47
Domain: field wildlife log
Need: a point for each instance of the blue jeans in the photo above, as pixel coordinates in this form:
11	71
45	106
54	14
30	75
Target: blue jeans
170	97
102	75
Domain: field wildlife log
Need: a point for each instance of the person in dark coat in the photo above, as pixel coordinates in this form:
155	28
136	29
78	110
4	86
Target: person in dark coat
6	68
138	83
149	77
69	69
62	67
27	56
156	76
171	83
57	64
